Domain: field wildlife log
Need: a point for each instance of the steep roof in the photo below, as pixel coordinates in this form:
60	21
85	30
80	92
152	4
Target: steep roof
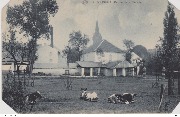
105	46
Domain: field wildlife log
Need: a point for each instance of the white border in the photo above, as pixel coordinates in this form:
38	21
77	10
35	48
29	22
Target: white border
4	109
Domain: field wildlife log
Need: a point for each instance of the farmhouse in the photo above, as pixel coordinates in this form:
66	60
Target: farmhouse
103	58
50	60
100	59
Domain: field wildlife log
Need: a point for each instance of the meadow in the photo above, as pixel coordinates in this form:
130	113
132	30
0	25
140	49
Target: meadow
57	99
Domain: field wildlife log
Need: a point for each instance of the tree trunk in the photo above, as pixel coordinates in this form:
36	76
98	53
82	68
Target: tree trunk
178	83
170	88
31	57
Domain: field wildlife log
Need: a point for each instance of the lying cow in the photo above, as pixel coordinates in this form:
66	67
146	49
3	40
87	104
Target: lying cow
31	99
127	98
114	98
87	95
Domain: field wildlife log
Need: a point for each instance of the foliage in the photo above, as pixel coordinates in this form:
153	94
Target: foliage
71	54
77	43
32	17
19	51
13	93
153	65
128	56
168	48
128	43
129	46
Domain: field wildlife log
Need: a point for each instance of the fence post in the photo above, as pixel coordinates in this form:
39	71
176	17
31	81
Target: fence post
178	83
24	77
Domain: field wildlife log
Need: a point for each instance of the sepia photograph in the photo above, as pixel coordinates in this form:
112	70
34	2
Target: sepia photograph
90	56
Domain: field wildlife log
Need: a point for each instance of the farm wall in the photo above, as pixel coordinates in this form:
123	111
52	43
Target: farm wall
56	71
7	67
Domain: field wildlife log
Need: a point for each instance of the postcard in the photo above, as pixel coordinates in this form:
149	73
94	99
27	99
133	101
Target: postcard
90	56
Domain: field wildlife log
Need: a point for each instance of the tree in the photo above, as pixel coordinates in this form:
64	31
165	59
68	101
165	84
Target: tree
32	17
70	54
129	45
78	43
168	50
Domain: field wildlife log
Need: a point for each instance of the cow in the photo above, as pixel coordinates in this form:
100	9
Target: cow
127	98
114	98
88	96
31	98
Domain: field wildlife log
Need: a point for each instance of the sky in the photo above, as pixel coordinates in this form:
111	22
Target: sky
141	22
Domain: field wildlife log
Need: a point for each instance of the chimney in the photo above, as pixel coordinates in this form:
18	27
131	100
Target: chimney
51	36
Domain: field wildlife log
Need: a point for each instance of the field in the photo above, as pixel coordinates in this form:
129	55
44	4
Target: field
57	99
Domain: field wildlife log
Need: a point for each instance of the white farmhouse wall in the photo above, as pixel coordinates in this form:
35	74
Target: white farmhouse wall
109	57
135	58
7	67
47	54
88	57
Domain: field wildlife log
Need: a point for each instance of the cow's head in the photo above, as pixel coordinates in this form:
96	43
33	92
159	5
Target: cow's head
83	93
38	95
119	97
134	95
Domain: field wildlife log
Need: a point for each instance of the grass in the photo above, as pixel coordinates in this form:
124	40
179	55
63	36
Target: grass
57	99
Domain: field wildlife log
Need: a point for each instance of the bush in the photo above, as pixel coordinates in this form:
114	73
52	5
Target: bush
13	93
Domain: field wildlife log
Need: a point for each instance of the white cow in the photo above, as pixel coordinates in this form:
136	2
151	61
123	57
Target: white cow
88	95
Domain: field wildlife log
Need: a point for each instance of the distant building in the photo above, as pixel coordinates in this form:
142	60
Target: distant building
103	58
50	60
100	59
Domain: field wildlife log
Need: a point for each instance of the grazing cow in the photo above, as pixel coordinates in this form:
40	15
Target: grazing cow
87	95
30	99
114	98
127	98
